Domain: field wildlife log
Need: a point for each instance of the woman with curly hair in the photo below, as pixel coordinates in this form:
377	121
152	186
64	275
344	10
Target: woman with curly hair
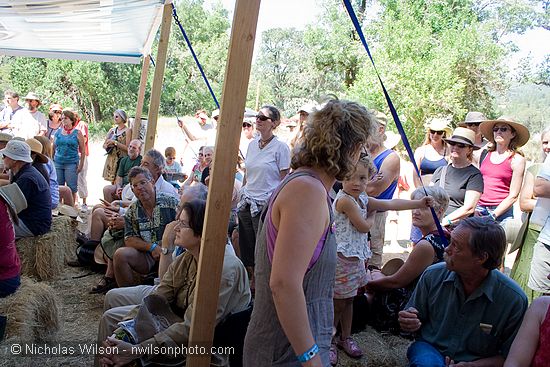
267	163
296	253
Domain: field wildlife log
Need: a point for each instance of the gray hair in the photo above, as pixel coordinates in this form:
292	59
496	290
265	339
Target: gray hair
135	171
122	114
487	238
441	198
198	191
157	157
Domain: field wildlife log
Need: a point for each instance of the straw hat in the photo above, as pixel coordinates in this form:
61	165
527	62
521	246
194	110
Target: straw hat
17	150
56	107
392	139
32	95
380	117
13	196
36	148
522	133
472	117
69	211
439	124
464	136
392	266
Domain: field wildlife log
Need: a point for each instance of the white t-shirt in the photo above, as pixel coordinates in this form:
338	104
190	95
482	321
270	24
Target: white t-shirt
263	167
22	124
544	173
41	119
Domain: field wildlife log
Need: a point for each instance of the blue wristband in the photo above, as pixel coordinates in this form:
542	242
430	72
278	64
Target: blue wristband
152	248
308	354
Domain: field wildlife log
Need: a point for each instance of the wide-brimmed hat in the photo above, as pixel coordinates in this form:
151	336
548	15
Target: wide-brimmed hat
32	95
380	117
307	108
17	150
464	136
14	197
68	211
215	113
5	137
392	266
36	148
522	133
472	117
439	124
392	139
56	107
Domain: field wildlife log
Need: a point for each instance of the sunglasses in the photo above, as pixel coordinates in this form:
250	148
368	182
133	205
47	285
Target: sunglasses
472	124
460	145
246	124
436	132
502	129
262	118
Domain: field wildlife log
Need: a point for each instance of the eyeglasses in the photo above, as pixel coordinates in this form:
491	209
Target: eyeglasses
262	118
181	224
246	124
436	132
501	128
140	184
460	145
473	124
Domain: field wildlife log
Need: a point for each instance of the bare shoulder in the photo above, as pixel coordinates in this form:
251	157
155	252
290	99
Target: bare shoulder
305	193
540	305
518	160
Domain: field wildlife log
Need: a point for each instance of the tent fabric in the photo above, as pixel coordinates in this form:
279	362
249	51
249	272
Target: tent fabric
93	30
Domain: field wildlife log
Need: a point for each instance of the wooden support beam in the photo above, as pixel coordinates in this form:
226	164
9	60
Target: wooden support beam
218	207
141	95
158	78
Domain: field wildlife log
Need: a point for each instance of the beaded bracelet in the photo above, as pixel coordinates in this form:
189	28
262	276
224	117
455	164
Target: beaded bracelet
308	354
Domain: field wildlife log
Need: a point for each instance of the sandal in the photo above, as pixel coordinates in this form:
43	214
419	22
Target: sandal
350	347
104	285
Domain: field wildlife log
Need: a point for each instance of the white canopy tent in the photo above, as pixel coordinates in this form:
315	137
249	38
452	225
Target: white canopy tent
93	30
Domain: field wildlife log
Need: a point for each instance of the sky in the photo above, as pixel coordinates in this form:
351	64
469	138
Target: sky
299	13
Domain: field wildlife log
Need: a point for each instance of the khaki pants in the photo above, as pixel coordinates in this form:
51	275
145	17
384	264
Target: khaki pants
377	233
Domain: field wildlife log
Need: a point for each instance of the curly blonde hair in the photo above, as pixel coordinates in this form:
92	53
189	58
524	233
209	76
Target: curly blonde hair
332	137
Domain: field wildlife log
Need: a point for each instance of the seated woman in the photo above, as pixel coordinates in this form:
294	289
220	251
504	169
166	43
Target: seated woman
177	288
427	251
531	347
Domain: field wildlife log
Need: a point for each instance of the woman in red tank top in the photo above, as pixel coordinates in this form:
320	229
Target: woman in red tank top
503	167
531	347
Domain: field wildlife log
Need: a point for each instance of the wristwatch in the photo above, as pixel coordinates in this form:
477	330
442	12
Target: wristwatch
166	250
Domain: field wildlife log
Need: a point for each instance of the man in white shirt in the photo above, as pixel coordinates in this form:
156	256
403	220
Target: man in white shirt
32	101
16	120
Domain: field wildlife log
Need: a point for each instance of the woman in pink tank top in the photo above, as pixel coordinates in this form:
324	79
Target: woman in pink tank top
531	347
502	167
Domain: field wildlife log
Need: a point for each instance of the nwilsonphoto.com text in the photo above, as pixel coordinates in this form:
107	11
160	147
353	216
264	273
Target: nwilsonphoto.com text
74	349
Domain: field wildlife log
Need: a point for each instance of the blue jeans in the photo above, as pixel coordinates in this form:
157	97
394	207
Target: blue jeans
66	174
422	354
9	286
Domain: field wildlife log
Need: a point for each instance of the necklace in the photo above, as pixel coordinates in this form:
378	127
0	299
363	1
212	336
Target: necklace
262	143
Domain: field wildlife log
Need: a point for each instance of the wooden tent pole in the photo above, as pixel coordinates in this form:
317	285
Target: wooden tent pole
158	78
218	206
141	96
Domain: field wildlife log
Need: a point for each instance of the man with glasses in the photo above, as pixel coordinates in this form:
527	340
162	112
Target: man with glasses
472	121
32	101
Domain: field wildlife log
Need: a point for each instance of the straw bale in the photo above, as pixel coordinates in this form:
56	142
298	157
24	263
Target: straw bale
381	350
33	313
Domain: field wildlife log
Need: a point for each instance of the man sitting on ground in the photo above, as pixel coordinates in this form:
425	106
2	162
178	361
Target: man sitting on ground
36	219
144	226
133	159
465	311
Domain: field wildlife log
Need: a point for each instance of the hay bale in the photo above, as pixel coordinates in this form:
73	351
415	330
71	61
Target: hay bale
33	313
43	257
381	350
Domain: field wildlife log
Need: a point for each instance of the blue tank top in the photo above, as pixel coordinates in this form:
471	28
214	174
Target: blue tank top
428	167
66	147
388	193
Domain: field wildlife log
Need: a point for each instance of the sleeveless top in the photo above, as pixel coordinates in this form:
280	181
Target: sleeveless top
378	160
437	243
542	354
428	167
496	180
349	241
66	147
266	343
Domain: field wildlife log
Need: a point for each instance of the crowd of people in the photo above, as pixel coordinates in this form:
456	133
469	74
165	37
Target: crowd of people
306	233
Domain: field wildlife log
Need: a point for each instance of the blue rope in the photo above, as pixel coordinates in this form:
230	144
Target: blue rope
175	15
393	111
152	61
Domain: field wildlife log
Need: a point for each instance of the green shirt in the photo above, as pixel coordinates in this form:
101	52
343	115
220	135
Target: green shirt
124	166
481	326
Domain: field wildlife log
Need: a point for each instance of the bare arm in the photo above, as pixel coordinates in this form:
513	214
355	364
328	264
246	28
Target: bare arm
167	242
418	157
542	188
388	172
382	205
300	212
283	173
518	168
189	133
345	205
420	258
526	200
495	361
137	243
470	201
82	148
525	344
